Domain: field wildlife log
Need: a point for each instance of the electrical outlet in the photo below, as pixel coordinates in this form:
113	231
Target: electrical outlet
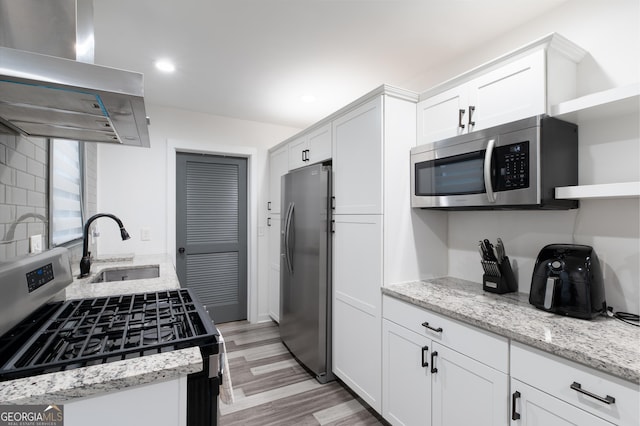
145	234
35	243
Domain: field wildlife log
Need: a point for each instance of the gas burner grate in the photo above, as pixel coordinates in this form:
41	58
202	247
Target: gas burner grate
105	329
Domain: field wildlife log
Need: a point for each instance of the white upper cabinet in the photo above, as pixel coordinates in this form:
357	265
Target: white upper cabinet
278	167
357	165
310	148
512	92
520	84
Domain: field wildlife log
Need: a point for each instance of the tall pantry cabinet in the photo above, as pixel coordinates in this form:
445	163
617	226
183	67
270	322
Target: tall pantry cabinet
375	230
378	239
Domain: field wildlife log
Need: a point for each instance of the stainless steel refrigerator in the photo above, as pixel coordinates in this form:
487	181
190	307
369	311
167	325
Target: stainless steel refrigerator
305	268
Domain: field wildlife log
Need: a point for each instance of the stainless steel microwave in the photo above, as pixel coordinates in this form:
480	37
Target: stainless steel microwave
512	166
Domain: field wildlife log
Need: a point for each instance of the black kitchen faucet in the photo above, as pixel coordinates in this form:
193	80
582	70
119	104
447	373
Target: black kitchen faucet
85	262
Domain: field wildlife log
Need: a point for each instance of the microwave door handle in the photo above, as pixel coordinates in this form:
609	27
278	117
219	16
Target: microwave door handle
487	171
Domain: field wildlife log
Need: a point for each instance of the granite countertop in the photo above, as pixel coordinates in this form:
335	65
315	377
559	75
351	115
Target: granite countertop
65	386
606	344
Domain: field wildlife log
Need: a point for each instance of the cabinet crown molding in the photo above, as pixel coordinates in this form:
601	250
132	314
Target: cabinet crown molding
551	42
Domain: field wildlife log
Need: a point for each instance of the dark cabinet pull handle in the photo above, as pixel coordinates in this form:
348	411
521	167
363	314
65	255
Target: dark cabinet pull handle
460	114
333	203
437	330
269	205
607	399
425	349
433	363
514	414
471	111
268	221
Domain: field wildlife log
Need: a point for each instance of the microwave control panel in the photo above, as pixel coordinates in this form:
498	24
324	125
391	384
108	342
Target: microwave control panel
512	165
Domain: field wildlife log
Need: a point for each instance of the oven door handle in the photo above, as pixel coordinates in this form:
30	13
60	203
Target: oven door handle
487	171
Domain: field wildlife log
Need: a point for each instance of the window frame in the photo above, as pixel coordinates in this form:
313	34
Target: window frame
82	193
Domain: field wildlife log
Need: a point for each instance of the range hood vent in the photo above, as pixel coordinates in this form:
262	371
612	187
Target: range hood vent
56	97
62	98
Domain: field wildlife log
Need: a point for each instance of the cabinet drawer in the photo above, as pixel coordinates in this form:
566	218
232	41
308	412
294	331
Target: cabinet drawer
555	376
485	347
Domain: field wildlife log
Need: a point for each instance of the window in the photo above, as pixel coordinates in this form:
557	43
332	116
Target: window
66	191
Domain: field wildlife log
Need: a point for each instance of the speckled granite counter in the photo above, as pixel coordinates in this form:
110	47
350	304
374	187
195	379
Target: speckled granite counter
64	386
605	344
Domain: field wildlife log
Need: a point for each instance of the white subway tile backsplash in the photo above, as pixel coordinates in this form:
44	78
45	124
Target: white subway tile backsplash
36	168
25	180
16	160
23	191
26	147
16	196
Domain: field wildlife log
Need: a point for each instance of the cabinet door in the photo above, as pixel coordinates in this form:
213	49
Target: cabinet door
278	166
319	144
274	268
536	408
512	92
406	381
357	162
439	117
465	391
357	326
297	153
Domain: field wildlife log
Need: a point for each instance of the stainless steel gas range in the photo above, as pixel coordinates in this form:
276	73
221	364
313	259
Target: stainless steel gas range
40	336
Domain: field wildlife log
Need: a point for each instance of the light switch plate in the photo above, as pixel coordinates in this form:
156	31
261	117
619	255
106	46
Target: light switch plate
145	234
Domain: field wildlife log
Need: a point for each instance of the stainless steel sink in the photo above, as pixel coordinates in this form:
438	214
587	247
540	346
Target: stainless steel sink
127	273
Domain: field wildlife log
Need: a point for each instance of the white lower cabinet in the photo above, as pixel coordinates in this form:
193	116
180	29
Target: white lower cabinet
549	390
161	403
357	274
459	381
273	291
427	383
532	407
406	377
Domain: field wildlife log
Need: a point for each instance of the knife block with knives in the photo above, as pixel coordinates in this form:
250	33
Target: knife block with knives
498	276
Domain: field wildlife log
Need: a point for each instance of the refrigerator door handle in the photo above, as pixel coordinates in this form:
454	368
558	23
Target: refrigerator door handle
287	238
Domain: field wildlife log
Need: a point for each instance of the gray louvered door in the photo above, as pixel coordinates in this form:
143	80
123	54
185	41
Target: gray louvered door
211	232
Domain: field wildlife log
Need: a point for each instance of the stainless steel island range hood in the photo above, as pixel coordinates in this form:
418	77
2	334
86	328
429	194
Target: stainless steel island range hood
66	95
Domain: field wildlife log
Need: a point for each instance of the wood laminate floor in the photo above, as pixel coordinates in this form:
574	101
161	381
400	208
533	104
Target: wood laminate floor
271	388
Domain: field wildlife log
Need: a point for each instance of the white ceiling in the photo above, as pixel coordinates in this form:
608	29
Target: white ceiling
253	59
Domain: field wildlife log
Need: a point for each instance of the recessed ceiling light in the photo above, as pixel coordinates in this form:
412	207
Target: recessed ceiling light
307	99
165	65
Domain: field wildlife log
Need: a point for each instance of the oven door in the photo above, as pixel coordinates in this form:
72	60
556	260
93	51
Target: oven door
488	171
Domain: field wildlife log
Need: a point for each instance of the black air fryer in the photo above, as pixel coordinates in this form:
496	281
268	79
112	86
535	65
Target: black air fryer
567	280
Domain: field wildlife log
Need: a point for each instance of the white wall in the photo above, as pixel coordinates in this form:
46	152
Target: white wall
138	185
609	152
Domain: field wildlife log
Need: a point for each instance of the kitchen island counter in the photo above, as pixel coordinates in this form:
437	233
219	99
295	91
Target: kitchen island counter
66	386
605	344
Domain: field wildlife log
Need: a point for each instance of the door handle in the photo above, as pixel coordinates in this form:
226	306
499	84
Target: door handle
514	414
287	238
471	111
460	114
607	399
433	362
425	349
426	325
487	171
